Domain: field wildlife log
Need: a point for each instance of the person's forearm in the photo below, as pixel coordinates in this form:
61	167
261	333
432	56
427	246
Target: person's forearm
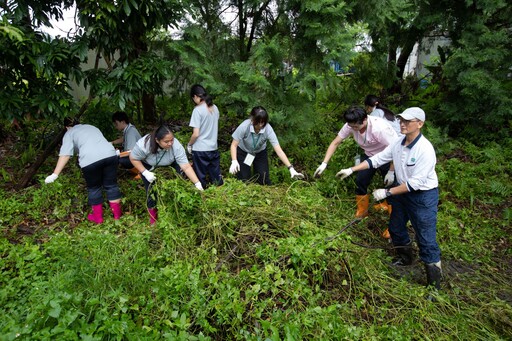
138	165
233	148
330	151
362	166
118	141
193	138
282	156
400	189
61	163
189	172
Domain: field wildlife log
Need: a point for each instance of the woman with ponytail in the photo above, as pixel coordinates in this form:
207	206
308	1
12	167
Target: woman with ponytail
203	142
374	107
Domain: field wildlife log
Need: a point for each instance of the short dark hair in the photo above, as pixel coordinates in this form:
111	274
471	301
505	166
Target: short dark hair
355	115
259	115
70	121
120	116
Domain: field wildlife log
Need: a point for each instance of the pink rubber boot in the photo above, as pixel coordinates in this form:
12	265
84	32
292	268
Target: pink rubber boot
116	210
153	215
97	214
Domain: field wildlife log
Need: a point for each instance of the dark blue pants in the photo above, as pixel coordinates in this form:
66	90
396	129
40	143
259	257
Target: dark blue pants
208	164
260	165
420	208
364	177
102	175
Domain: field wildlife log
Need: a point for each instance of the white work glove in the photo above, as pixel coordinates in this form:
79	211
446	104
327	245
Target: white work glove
51	178
342	174
199	186
189	149
295	175
379	194
389	178
150	176
320	169
235	167
118	152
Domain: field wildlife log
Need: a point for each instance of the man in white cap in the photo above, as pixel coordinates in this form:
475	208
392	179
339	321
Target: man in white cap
414	196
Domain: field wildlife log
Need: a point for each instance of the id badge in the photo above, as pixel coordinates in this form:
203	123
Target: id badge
357	160
249	159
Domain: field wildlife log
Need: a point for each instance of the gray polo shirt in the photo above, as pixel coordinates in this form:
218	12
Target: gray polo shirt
208	123
163	157
88	142
131	135
253	143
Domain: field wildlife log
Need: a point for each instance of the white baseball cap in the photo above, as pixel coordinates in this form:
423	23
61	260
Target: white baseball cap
413	113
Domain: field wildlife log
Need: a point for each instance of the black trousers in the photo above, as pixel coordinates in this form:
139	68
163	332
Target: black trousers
208	164
99	176
259	165
364	177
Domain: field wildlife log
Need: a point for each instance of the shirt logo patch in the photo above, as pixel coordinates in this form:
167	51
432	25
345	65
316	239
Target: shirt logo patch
413	159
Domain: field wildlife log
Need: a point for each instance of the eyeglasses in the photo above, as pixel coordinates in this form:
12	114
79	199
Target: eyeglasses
406	122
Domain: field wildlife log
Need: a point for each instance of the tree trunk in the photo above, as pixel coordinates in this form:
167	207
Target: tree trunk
402	59
148	108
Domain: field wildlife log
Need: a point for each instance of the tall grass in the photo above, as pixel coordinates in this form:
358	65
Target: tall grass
249	262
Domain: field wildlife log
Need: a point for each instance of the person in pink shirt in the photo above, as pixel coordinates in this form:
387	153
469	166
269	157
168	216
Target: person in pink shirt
373	135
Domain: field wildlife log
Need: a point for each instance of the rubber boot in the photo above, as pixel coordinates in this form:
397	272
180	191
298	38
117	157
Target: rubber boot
116	210
153	215
135	172
362	201
383	206
434	274
386	234
97	214
404	255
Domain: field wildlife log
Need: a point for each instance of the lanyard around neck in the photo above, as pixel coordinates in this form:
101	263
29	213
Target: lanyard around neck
255	142
161	157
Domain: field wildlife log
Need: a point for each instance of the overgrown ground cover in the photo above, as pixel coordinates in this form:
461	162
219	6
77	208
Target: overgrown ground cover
249	262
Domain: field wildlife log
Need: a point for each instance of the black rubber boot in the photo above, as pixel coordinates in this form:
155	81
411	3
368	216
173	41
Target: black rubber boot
404	255
434	274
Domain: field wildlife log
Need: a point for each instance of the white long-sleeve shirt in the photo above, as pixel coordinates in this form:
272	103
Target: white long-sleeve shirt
414	164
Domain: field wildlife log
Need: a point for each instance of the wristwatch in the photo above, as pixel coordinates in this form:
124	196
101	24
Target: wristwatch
388	193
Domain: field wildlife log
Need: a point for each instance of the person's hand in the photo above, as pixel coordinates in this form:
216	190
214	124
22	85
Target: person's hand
295	175
320	169
342	174
199	186
51	178
379	194
118	152
235	167
189	149
389	178
150	176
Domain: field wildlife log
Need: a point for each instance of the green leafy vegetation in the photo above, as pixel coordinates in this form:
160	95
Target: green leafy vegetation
250	262
242	261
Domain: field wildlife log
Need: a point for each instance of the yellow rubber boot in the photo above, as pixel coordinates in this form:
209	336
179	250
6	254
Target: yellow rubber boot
383	206
362	201
386	234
